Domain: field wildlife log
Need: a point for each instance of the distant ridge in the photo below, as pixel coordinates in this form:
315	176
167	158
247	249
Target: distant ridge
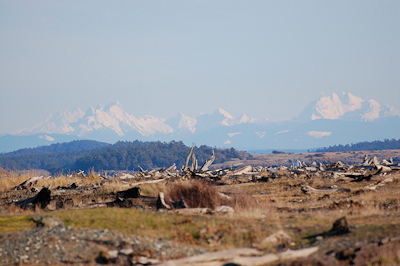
386	144
337	118
72	146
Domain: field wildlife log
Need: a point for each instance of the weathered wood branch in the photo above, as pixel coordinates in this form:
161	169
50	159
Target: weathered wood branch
311	190
186	166
207	164
28	184
161	204
382	182
241	256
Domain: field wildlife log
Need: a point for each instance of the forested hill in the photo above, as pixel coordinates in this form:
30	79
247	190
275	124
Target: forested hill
53	158
76	145
72	156
386	144
150	155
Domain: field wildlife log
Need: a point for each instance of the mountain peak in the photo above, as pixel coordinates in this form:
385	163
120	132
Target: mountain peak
347	106
228	120
335	106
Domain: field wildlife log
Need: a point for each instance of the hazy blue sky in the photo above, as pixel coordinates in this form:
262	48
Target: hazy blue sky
263	58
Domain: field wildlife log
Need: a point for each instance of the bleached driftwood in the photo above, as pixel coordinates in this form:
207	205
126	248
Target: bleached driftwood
241	256
28	184
269	258
195	210
161	204
188	157
224	255
207	164
382	182
311	190
241	171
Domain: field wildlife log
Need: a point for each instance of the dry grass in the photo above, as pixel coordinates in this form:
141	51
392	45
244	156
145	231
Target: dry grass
11	180
196	193
152	189
261	209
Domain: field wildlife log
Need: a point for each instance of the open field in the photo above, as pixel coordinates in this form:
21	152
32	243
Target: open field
268	212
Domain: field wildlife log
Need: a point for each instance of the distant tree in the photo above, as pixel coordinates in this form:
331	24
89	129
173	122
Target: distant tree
364	146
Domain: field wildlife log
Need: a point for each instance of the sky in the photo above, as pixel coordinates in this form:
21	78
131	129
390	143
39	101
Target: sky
268	59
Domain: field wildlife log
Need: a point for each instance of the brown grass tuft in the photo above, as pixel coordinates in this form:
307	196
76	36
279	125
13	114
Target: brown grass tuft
196	193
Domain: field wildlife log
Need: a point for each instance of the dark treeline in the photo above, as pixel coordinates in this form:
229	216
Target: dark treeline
76	145
149	155
52	158
70	157
364	146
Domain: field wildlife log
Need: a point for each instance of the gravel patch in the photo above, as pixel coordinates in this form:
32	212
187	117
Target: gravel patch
67	245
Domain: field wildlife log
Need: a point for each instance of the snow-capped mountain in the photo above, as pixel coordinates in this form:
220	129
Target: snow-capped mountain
349	107
111	117
330	120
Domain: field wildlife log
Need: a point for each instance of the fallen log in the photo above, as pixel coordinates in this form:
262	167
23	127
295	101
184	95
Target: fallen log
41	200
224	255
28	184
241	171
207	164
161	204
382	182
311	190
241	256
269	258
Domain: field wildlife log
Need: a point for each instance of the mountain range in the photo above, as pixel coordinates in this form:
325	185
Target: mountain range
329	120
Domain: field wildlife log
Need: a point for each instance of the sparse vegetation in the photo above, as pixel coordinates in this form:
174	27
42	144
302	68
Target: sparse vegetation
262	207
196	193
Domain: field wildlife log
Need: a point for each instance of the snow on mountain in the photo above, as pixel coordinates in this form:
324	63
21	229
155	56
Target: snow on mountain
111	117
346	105
153	125
318	134
330	120
188	123
59	124
246	119
228	120
335	106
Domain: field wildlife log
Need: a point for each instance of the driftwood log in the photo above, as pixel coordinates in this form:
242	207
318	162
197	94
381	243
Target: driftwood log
40	200
241	256
28	184
311	190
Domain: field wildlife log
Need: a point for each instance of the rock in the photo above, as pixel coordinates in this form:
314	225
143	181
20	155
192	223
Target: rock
43	198
224	209
40	200
112	253
131	193
126	251
47	221
339	227
145	261
179	204
278	238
